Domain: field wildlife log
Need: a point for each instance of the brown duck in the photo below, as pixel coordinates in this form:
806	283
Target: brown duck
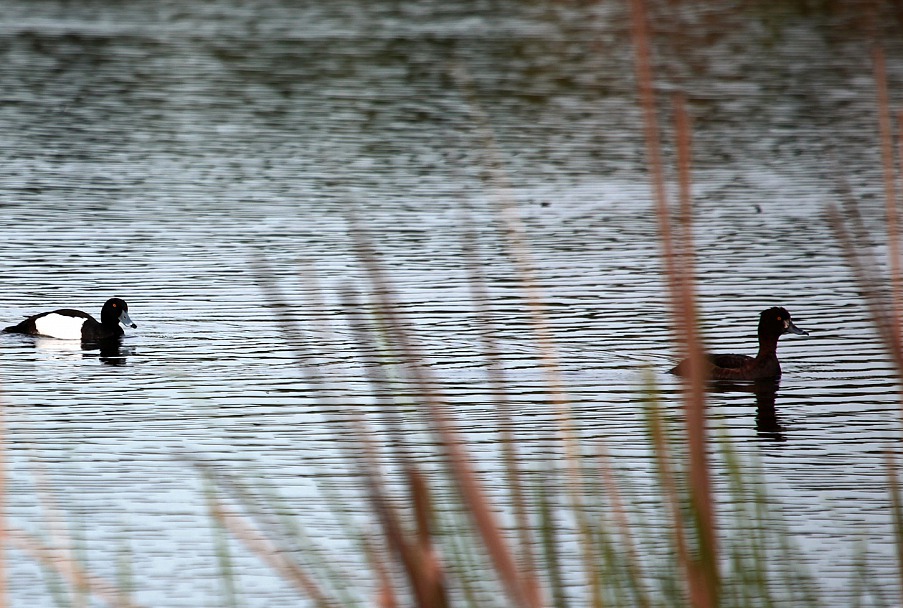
773	323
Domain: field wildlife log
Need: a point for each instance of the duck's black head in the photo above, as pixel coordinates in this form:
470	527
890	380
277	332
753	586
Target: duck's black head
776	321
114	312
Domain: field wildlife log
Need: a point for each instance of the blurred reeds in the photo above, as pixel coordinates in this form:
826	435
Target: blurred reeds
570	533
567	532
881	289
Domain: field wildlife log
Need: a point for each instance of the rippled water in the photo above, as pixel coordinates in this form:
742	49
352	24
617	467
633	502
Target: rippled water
161	154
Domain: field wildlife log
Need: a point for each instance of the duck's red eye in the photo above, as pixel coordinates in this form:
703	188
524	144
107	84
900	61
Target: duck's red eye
779	318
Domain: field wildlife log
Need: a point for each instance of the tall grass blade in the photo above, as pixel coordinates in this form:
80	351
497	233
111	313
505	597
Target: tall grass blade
417	558
549	537
365	457
224	557
667	480
703	573
545	344
631	555
270	553
125	571
269	513
890	189
498	385
470	488
75	576
385	592
896	501
3	520
885	309
430	565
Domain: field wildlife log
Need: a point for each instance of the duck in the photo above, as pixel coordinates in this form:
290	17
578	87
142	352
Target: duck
773	323
69	324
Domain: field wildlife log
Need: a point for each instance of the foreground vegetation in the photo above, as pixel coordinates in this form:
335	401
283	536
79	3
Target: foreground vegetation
570	533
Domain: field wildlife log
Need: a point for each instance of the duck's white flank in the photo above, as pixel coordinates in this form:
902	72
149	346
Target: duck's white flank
60	326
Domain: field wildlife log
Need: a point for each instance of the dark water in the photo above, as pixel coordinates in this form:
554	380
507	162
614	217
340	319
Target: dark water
160	152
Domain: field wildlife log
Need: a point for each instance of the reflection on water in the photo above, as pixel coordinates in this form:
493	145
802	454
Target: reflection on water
765	393
765	400
156	154
52	345
110	352
768	423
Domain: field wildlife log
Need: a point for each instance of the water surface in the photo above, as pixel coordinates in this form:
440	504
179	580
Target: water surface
164	155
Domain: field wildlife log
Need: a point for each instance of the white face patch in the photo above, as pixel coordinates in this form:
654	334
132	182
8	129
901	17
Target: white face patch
60	326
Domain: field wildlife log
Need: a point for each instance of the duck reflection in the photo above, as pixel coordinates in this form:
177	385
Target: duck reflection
768	423
111	351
